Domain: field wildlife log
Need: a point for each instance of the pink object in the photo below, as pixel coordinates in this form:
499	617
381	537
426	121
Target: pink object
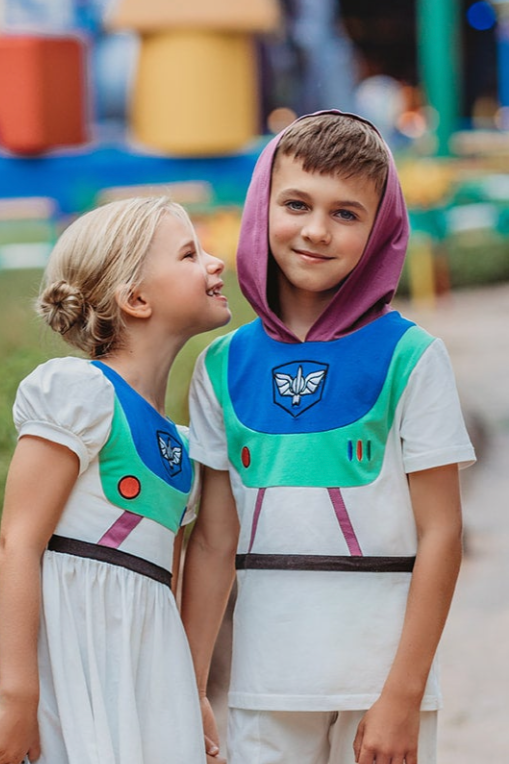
120	530
344	522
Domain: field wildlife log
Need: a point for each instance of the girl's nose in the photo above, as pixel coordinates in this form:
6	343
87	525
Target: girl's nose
213	264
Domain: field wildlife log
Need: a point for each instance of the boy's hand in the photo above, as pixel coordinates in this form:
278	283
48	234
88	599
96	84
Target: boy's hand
388	733
19	731
211	733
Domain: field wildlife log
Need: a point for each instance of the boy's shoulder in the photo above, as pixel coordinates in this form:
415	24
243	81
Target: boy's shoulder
251	332
388	332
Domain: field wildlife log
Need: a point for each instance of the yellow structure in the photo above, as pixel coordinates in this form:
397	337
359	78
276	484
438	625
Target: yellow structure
196	91
421	270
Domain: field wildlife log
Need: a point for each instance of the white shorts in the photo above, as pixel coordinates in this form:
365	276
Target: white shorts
307	737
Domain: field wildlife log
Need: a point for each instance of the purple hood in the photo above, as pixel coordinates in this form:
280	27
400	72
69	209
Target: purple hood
364	295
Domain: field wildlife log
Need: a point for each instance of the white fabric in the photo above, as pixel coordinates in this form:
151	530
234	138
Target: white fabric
117	681
324	641
67	401
282	737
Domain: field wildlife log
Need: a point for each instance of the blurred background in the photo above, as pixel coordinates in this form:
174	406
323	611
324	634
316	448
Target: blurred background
103	99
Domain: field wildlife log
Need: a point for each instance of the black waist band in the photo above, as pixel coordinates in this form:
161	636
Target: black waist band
112	556
324	562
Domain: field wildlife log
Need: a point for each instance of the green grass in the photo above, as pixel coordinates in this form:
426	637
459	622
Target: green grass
473	258
25	342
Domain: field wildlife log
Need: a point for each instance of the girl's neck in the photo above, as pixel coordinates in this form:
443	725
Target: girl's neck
145	369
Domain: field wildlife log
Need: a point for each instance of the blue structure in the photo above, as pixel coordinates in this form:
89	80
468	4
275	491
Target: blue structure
502	7
75	178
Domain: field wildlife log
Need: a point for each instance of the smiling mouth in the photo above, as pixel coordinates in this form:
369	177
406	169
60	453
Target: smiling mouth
313	255
215	291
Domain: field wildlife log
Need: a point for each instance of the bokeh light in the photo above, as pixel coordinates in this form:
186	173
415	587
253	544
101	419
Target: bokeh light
481	16
280	118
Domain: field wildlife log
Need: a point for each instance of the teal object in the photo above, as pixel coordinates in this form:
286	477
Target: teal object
119	461
438	59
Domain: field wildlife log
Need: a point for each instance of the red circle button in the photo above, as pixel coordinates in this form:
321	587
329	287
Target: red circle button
246	456
129	487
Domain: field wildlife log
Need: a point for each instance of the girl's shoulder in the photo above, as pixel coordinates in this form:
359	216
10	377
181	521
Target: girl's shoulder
66	400
66	378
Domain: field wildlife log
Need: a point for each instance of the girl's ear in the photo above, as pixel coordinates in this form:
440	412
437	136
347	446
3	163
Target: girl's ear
133	302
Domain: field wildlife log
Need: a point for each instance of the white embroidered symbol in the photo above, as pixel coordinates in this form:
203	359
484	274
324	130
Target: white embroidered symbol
172	455
299	385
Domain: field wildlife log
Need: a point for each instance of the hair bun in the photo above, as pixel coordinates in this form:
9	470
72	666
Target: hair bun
62	306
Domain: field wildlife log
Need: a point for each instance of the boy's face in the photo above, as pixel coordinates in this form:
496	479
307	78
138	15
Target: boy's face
318	227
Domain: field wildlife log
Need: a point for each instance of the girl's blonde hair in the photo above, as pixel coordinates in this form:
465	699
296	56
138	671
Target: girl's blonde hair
95	263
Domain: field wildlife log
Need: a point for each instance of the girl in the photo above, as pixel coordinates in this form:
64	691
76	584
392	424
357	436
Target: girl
94	665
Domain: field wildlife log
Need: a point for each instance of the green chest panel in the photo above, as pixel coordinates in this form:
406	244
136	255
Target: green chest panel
129	483
348	455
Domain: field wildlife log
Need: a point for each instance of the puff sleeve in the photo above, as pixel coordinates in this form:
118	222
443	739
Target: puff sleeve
68	401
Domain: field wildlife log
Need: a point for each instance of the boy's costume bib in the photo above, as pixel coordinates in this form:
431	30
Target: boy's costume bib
320	419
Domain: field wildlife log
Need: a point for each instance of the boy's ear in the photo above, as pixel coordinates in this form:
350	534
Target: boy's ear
133	302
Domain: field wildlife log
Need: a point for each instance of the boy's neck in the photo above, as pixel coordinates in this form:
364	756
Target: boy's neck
299	310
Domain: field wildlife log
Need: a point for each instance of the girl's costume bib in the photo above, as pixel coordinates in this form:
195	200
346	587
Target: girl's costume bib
144	466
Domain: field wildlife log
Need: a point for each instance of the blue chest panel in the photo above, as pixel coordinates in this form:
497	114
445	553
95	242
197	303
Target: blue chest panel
155	438
314	386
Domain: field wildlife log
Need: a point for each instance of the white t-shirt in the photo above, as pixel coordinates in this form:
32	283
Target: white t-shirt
325	640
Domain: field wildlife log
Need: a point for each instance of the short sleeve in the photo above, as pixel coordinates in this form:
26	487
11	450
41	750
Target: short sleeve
68	401
207	437
432	428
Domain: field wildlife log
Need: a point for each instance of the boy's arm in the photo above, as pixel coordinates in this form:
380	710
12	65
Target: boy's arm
388	733
209	572
41	477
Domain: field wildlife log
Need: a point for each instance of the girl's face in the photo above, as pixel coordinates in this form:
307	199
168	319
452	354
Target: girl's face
181	282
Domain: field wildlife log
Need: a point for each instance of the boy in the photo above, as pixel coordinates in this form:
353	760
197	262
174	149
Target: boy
331	434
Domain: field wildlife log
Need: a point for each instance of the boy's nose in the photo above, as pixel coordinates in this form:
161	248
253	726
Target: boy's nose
316	230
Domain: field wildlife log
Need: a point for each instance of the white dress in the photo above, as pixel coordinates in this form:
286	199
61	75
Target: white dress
117	681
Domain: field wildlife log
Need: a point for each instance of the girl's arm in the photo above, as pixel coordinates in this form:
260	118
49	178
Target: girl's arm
41	477
389	730
177	559
209	572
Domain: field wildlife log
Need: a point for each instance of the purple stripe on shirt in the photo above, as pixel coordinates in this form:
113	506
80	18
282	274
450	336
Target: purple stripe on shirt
256	516
120	530
344	521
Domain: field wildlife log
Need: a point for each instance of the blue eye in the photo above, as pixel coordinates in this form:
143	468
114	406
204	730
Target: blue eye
296	205
346	215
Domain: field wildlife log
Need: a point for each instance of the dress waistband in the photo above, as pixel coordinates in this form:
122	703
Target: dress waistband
324	562
111	556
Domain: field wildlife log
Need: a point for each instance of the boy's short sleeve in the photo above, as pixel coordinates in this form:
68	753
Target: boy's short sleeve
67	401
207	437
432	428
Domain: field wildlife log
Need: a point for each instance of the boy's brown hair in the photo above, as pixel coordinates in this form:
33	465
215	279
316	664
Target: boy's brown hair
337	144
